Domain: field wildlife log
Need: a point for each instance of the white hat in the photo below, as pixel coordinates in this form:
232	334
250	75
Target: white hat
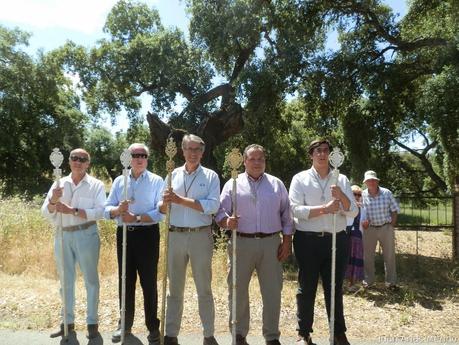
370	175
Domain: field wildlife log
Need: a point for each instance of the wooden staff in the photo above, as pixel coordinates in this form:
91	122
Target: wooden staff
336	158
56	159
125	159
234	160
171	151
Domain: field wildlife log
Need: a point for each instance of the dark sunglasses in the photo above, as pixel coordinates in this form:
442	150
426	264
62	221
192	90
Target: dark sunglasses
357	194
79	159
139	155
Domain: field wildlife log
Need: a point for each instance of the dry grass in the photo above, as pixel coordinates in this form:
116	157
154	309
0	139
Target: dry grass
426	304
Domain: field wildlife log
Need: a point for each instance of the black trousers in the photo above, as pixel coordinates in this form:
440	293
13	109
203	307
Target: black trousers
142	254
313	255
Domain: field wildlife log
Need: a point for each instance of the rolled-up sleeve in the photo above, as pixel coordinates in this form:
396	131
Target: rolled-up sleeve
211	202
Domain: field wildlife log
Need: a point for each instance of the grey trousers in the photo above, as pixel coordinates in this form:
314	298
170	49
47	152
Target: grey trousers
197	248
386	237
258	255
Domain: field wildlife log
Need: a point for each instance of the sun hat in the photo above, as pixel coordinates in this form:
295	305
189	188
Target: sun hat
370	175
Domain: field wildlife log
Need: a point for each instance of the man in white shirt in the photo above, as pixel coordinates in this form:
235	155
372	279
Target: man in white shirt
194	199
80	199
314	199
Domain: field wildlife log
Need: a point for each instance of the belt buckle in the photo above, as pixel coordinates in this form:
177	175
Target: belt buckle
189	229
321	234
257	236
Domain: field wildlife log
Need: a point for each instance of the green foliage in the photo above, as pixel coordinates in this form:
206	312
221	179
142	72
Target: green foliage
38	111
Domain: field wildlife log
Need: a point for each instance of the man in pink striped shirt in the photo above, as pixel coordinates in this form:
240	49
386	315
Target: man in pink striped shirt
263	213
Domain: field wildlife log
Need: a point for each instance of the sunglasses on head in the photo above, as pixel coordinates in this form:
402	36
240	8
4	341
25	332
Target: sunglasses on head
139	155
79	159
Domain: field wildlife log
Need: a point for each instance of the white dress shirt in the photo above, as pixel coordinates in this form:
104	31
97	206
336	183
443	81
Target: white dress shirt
306	191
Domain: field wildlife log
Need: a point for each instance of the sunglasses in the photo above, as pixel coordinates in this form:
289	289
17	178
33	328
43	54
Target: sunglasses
139	155
357	194
79	159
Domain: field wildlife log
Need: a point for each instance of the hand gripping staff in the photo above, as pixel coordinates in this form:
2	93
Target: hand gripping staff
336	158
56	159
171	151
125	159
234	160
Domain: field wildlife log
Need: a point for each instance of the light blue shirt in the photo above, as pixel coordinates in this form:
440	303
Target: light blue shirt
144	192
202	185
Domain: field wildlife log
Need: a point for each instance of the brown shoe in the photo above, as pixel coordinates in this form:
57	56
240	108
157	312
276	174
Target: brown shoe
60	332
240	340
340	339
93	331
306	340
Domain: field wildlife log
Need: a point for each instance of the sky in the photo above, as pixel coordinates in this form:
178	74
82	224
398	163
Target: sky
53	22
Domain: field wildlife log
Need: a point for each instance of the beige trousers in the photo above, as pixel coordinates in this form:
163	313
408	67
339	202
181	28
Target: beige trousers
386	237
258	255
196	248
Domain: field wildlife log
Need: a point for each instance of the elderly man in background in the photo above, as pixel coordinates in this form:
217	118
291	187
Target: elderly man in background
381	211
194	199
80	198
141	214
263	212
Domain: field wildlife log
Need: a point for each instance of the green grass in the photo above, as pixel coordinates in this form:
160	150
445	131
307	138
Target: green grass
426	212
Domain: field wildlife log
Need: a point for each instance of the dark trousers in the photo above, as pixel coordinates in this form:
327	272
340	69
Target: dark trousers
142	255
313	255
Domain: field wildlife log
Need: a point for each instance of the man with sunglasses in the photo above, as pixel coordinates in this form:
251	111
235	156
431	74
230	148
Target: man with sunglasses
80	198
141	214
194	199
315	200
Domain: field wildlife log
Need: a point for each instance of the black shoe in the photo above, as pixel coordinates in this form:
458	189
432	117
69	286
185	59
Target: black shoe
340	339
154	338
116	336
273	342
60	332
93	331
240	340
170	340
209	341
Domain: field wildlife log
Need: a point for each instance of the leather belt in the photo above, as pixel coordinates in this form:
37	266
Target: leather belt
83	226
378	226
257	235
174	228
136	227
322	233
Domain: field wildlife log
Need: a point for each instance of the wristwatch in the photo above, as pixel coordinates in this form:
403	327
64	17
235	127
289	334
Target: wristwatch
138	218
75	213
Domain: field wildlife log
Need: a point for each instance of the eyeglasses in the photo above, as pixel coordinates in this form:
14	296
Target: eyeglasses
139	155
357	194
79	159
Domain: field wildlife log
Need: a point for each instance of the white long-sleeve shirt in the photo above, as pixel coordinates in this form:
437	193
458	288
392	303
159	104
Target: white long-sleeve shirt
306	191
88	195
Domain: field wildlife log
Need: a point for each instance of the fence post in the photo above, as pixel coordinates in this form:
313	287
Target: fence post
456	222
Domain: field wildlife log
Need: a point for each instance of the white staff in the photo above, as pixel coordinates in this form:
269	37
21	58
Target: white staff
335	158
125	159
171	151
234	160
56	159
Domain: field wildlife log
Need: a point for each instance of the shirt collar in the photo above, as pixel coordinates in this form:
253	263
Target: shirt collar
199	168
